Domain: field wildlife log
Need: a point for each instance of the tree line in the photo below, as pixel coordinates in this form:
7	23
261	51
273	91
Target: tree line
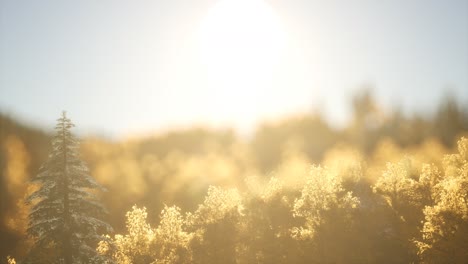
385	193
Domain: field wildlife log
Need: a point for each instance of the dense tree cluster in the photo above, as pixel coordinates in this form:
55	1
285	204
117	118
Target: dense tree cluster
383	190
322	222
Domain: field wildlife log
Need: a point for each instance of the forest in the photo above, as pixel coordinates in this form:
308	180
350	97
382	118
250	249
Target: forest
389	187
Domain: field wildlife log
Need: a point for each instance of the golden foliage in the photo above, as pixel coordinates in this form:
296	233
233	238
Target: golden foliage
396	185
314	206
168	243
11	260
218	204
322	192
446	220
386	184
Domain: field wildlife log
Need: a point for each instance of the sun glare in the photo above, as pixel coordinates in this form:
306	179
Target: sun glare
241	41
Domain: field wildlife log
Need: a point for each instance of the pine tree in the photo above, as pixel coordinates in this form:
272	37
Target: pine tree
66	215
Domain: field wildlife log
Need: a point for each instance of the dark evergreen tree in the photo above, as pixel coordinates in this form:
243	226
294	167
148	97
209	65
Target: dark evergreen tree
66	217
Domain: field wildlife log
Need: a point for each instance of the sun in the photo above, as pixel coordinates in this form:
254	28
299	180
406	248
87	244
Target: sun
240	43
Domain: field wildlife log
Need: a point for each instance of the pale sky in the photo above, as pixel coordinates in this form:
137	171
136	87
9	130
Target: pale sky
122	67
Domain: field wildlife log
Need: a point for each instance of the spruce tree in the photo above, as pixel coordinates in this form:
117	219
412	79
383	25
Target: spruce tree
66	217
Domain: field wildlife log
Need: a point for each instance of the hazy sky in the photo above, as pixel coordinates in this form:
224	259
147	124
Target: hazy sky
120	67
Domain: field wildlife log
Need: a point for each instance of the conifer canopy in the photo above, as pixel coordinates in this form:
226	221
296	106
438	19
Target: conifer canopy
66	218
